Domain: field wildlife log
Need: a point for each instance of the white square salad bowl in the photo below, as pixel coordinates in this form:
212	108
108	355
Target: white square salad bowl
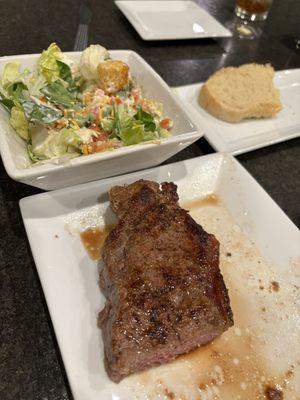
82	169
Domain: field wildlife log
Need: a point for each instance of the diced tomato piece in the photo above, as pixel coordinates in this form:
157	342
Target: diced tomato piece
118	100
95	111
136	94
166	123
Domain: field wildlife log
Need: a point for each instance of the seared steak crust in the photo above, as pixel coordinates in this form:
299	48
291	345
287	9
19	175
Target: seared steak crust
165	293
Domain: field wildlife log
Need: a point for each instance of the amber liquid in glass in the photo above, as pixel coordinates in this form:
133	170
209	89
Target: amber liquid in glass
254	6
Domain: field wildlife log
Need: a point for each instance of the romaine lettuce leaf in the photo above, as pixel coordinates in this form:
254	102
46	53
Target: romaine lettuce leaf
34	82
47	64
121	118
132	135
107	124
149	135
11	85
91	57
163	133
40	113
85	120
55	144
32	156
146	119
16	91
64	71
70	139
56	93
14	84
6	103
10	73
19	122
128	129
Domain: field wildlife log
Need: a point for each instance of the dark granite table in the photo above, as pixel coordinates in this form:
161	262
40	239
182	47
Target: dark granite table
30	362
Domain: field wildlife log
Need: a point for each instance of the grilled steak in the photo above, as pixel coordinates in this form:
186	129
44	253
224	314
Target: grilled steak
165	293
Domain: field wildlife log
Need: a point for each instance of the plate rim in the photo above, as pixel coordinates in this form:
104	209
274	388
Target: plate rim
221	155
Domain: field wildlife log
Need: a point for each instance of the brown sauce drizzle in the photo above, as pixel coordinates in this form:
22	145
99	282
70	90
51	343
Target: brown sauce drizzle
209	200
93	240
272	393
275	286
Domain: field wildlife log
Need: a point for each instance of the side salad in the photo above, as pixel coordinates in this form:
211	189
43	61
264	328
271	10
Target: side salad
67	109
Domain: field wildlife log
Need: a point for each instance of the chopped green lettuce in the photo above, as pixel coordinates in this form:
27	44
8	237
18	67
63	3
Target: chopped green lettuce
37	112
149	135
17	91
163	133
132	135
6	103
34	82
56	93
47	64
146	119
108	125
19	122
11	85
32	156
10	74
128	129
14	82
47	145
65	72
85	120
91	57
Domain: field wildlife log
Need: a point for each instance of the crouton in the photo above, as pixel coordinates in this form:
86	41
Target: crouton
113	75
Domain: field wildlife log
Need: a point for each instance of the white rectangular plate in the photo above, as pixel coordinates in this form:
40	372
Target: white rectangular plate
70	283
250	134
163	20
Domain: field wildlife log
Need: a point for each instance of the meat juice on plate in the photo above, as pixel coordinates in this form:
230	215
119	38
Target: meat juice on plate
256	358
93	240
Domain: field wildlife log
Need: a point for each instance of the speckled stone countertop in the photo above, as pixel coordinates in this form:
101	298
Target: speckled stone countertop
30	362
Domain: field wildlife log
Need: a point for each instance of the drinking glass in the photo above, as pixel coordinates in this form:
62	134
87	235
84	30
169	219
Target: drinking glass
253	10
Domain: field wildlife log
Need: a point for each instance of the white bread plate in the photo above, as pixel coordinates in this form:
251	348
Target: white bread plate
249	134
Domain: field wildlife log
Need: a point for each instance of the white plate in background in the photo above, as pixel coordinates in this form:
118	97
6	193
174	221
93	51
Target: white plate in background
247	135
70	279
167	20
